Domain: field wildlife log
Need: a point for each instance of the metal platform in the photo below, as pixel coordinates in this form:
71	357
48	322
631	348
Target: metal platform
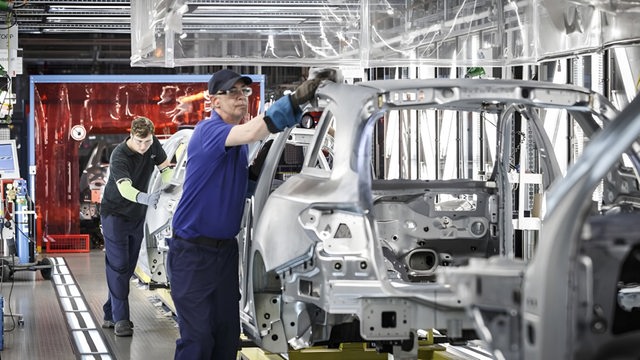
48	331
60	318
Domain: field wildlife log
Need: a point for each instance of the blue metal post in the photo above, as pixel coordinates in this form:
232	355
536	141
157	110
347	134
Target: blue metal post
21	221
1	323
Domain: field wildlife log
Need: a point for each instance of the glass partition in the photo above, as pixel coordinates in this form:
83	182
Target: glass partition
373	33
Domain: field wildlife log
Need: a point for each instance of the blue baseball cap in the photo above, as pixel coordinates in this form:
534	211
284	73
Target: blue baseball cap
225	79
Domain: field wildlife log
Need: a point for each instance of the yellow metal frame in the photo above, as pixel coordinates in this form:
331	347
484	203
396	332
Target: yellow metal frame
163	294
427	349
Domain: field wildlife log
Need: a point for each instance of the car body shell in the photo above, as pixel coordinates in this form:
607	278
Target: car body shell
337	246
580	292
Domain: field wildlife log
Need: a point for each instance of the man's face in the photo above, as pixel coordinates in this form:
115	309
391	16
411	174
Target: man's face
141	145
232	104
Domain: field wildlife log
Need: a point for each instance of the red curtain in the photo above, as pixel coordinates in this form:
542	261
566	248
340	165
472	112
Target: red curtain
101	108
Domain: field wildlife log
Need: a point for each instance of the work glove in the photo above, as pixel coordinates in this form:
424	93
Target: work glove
305	92
286	112
149	199
282	114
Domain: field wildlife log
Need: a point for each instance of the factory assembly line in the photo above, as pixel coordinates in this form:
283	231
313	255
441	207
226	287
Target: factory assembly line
375	251
426	179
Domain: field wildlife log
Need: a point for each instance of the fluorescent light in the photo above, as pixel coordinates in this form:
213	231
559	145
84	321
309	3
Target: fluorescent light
239	19
110	30
88	19
258	8
122	9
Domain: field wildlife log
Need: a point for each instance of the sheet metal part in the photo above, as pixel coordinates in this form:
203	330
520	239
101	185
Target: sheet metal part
363	243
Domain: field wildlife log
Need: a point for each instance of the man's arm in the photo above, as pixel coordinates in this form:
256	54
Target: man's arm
283	113
166	171
126	189
253	130
165	164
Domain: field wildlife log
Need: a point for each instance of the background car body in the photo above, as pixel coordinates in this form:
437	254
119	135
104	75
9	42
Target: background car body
349	226
579	294
95	154
351	246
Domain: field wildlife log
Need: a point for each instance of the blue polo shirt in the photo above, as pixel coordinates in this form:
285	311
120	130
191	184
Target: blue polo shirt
215	184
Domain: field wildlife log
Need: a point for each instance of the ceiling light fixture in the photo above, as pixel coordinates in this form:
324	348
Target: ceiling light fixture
239	19
258	8
88	19
120	9
124	30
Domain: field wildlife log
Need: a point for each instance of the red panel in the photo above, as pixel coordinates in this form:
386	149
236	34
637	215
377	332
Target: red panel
102	108
67	243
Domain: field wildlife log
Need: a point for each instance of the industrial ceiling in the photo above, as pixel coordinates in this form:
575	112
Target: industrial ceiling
100	30
304	32
64	34
48	17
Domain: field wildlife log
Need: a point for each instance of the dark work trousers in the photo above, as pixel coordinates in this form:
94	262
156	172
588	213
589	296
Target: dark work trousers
206	294
122	240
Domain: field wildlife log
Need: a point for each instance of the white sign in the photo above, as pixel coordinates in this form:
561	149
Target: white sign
9	38
12	65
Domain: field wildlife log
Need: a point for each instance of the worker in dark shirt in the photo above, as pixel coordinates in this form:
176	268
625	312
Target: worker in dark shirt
203	253
122	213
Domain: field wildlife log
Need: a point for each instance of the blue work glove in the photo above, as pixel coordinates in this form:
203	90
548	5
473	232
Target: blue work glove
148	199
282	114
286	112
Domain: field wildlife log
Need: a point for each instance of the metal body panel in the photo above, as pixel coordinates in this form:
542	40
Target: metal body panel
336	244
558	257
343	239
157	227
576	298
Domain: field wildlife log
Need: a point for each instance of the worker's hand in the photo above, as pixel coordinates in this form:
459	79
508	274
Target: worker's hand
282	114
286	112
306	91
149	199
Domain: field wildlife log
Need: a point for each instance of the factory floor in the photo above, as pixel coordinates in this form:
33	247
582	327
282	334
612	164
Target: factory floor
61	319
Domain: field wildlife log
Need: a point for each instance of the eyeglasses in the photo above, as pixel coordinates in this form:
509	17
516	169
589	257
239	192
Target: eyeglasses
246	91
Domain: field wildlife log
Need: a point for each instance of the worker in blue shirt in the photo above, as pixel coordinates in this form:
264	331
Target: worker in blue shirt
203	253
122	213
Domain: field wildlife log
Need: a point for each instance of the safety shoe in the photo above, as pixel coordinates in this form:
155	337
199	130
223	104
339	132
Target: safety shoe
123	328
108	324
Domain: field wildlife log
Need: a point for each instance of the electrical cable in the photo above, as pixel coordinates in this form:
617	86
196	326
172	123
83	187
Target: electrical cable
6	89
11	19
2	277
10	16
20	4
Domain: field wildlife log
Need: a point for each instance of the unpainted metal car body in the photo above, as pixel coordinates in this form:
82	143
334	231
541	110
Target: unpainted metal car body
153	253
357	247
348	241
157	227
94	154
578	298
94	175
